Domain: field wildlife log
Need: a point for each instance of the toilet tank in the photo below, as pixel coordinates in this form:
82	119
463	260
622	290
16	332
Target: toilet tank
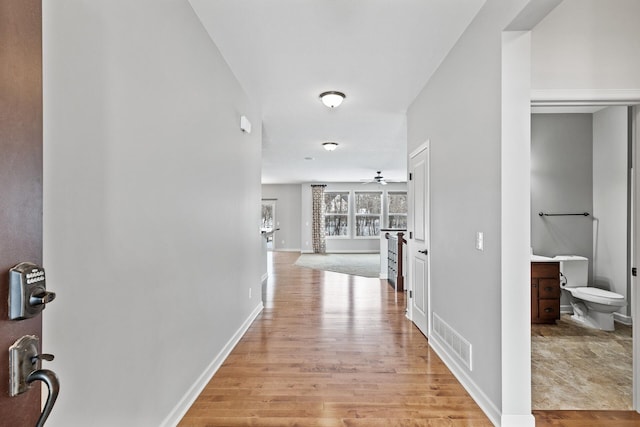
575	269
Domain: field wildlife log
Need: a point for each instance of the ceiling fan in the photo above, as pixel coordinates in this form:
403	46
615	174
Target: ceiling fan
378	179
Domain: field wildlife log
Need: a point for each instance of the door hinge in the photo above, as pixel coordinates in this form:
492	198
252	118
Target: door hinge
410	294
634	271
410	177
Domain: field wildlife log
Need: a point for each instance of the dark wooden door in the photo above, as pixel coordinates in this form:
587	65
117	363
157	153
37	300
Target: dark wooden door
20	181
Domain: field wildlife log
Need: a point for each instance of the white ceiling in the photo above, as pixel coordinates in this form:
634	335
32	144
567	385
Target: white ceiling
380	53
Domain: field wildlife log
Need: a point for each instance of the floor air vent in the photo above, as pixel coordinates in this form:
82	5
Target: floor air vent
453	340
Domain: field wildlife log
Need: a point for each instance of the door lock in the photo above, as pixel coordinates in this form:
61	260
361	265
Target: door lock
424	252
27	291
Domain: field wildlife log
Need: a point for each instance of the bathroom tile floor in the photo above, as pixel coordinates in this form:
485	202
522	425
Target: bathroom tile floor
573	367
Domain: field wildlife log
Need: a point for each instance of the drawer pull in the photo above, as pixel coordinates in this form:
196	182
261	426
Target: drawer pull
548	310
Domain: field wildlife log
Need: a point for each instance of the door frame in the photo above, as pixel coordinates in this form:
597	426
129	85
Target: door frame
516	233
410	242
538	99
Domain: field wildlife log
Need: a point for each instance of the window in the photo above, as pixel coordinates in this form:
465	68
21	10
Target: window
397	209
268	211
368	211
336	217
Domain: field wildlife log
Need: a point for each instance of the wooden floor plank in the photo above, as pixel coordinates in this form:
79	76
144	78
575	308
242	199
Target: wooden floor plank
333	350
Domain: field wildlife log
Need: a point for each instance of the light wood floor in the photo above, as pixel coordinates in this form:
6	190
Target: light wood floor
336	350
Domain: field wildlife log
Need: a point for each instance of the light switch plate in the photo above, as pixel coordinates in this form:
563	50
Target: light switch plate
480	241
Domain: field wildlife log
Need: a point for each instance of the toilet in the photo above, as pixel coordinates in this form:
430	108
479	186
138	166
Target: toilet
592	307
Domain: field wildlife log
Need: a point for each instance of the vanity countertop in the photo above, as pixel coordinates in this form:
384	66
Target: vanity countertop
540	258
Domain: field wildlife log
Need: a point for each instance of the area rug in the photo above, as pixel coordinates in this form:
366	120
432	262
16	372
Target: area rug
365	265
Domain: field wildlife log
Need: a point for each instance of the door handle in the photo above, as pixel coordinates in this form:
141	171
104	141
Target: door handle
24	369
425	252
53	385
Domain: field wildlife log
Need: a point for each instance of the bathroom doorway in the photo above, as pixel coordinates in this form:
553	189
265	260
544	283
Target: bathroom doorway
581	163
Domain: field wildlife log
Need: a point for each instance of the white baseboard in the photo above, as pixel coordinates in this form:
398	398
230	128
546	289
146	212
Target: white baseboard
355	252
566	309
461	375
518	421
344	252
623	318
384	276
194	391
286	250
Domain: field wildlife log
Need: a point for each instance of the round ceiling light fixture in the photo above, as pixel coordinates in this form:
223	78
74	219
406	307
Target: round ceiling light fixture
332	98
330	146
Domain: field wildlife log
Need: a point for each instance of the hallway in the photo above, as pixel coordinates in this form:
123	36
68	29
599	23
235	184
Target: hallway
332	350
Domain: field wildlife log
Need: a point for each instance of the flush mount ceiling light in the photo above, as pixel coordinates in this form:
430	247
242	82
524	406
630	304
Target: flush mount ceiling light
330	146
332	98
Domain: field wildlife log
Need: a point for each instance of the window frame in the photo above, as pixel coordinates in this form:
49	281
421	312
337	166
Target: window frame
357	215
272	203
346	215
390	214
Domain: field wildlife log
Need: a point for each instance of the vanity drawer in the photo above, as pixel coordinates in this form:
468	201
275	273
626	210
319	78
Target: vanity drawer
545	292
548	288
549	308
545	269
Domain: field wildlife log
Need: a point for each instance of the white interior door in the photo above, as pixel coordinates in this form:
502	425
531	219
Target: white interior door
419	238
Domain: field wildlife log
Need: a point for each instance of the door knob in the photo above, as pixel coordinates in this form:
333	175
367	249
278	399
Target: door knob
425	252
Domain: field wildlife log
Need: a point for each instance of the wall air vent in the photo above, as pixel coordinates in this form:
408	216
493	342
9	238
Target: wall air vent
454	342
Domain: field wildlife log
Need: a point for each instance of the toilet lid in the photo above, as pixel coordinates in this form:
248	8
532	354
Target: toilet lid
598	295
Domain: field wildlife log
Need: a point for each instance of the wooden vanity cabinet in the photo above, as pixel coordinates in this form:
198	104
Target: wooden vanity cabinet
545	292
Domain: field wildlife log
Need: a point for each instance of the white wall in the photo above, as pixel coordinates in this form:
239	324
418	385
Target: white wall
587	45
459	111
562	162
152	208
610	175
288	216
337	245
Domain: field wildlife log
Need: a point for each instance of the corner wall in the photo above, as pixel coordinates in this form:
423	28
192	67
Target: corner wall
610	202
151	209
